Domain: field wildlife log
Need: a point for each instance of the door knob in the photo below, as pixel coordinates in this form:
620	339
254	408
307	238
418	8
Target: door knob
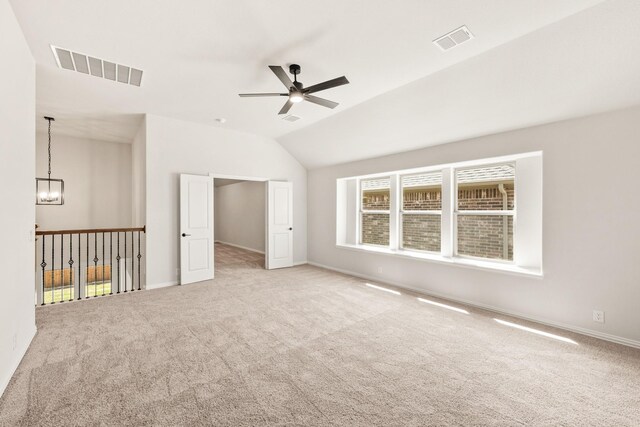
185	234
290	228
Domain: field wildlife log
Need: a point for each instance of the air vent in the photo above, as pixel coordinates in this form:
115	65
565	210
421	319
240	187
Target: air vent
85	64
454	38
291	118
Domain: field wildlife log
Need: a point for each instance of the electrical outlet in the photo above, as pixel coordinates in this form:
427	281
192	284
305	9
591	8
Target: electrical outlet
379	269
598	316
177	272
15	341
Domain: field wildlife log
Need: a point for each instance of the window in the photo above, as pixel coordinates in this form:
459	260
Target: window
485	207
421	211
374	211
486	213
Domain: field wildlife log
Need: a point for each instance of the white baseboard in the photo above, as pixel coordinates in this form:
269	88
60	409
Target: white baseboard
240	247
584	331
295	264
5	381
161	285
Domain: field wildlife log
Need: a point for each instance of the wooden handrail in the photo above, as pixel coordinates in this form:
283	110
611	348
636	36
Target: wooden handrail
90	231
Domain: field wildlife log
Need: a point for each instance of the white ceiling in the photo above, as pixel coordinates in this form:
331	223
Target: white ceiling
221	182
198	55
103	127
585	64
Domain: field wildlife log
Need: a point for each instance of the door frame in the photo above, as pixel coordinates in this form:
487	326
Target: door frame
213	176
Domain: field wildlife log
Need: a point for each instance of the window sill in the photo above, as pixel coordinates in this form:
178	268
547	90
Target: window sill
463	262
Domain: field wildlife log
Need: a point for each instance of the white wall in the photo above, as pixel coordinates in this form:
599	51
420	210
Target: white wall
175	147
17	194
591	232
139	176
139	191
240	214
97	182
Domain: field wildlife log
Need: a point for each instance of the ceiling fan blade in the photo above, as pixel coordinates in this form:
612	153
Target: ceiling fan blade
339	81
245	95
321	101
285	109
281	75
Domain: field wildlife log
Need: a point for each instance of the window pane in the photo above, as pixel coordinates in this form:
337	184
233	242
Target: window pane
375	194
422	192
486	188
375	229
421	232
486	236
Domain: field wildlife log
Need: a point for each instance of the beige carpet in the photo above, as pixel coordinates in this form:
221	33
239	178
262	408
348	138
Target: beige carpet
305	346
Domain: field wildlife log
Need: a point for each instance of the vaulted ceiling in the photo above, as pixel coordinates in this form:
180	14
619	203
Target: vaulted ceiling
198	55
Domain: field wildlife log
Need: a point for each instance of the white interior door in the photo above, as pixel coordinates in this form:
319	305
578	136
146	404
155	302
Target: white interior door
279	225
196	228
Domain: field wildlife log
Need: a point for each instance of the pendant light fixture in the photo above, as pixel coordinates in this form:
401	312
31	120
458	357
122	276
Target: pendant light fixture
49	191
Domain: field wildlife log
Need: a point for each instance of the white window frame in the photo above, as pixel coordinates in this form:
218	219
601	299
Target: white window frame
527	249
362	211
456	212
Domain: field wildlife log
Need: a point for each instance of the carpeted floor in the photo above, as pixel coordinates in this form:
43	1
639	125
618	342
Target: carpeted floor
306	346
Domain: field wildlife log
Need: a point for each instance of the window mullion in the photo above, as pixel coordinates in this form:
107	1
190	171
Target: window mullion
358	227
394	212
448	220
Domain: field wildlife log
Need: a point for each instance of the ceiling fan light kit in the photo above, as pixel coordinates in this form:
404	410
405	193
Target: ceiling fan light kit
296	90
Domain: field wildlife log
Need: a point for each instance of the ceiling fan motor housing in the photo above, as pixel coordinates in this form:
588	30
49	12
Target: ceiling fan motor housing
294	69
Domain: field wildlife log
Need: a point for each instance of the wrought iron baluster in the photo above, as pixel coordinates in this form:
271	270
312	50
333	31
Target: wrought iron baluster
139	256
95	264
125	261
43	264
53	263
62	268
133	265
102	264
118	259
71	282
79	266
86	284
110	263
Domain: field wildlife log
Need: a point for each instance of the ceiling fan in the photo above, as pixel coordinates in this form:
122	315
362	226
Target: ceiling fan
297	92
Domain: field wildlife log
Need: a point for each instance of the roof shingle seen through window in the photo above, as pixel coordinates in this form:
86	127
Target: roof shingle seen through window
375	184
464	176
486	174
422	180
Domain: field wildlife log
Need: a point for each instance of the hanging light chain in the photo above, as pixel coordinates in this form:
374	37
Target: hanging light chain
49	119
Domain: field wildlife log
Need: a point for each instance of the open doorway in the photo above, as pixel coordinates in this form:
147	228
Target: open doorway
239	223
237	214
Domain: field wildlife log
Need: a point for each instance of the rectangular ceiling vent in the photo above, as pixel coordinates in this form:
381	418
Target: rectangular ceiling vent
454	38
291	118
85	64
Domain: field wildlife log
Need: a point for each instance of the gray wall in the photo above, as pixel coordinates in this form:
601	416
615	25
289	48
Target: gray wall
240	214
590	227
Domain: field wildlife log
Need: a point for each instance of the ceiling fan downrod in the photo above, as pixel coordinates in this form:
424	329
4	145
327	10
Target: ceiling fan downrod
295	70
